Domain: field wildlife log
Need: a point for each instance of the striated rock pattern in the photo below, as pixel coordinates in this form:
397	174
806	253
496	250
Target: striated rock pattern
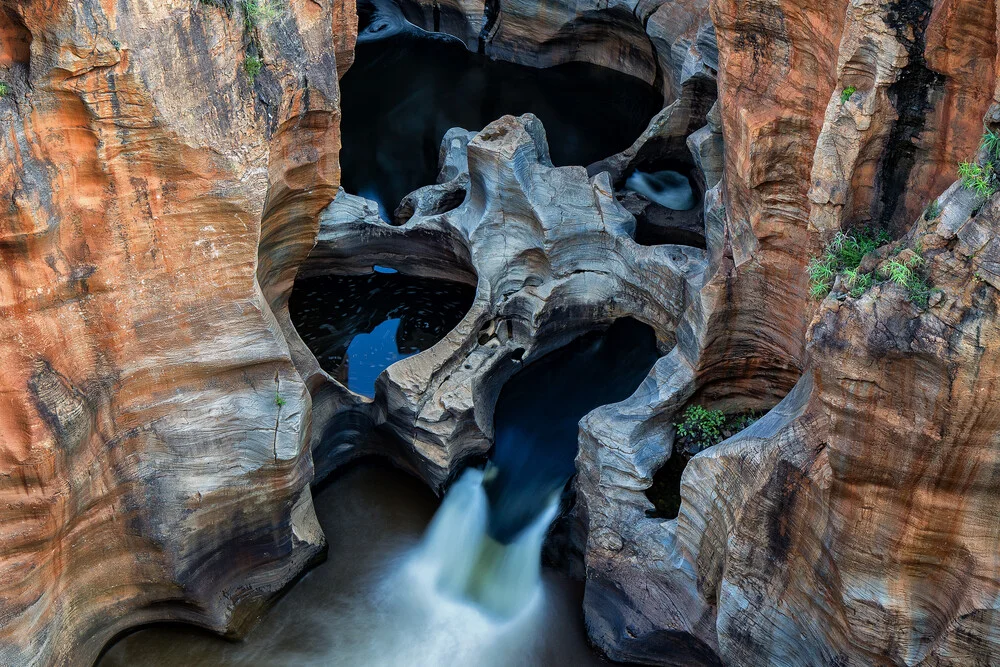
148	470
852	525
550	252
662	42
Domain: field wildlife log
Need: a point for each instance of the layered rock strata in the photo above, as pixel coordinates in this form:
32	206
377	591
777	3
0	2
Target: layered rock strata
550	252
157	202
813	537
662	42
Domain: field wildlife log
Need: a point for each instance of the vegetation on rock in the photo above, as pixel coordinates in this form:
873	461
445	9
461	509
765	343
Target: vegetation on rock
982	177
906	273
4	89
252	66
933	211
256	12
843	255
846	95
701	428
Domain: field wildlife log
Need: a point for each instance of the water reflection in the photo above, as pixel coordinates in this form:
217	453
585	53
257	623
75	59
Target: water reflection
357	326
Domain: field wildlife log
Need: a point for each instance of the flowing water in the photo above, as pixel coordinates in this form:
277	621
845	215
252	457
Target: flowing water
463	585
484	546
667	188
357	326
375	603
408	87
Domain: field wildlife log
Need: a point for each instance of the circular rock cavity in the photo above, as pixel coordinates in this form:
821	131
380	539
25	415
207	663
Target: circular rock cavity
371	603
359	325
550	252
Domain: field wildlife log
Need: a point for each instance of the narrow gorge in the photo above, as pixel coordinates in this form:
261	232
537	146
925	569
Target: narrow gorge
499	332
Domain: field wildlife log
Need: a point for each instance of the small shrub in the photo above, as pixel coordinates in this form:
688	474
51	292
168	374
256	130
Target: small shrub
701	427
252	66
933	211
907	274
846	95
118	45
4	89
858	283
991	144
982	178
278	400
978	178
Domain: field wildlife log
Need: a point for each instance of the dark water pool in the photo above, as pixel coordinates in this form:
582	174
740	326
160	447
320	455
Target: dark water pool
538	412
406	89
357	326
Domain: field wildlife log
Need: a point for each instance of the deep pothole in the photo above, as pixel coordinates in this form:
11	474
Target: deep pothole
359	325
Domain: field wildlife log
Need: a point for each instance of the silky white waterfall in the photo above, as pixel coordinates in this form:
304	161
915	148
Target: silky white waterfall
466	563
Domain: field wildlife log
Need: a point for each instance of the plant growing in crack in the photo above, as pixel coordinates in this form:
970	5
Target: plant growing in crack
908	274
278	400
256	12
846	94
982	177
4	89
844	253
252	66
933	211
701	428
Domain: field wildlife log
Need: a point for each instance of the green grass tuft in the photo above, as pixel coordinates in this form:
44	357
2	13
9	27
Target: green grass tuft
844	253
278	400
4	89
256	12
908	275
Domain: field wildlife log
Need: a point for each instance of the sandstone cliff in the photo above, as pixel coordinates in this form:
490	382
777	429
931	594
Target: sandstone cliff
157	201
850	524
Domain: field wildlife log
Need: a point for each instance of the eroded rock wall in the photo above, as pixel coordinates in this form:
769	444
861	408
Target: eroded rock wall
662	42
846	526
153	435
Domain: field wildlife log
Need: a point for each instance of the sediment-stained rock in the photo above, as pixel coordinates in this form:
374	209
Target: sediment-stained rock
551	254
661	42
149	470
914	80
846	526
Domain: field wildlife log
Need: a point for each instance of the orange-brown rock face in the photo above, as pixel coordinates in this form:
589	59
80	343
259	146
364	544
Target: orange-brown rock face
854	523
153	428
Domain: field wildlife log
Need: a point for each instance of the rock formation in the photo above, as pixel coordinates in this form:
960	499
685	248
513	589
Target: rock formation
846	526
168	169
499	219
158	200
662	42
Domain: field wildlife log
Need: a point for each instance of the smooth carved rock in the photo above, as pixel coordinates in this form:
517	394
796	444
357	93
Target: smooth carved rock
156	206
662	42
923	79
847	525
550	253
